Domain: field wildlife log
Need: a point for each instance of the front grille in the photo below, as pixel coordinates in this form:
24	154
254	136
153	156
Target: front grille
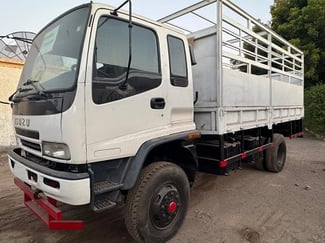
31	145
27	133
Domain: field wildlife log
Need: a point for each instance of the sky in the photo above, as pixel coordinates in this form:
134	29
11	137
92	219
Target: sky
32	15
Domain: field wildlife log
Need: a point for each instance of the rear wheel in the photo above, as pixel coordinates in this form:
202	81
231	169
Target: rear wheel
276	156
157	205
260	163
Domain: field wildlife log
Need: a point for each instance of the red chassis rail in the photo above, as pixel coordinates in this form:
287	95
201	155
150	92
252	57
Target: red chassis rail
45	209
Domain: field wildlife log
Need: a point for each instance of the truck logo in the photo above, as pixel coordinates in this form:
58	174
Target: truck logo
23	122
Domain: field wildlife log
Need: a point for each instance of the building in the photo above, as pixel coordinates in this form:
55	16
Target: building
10	70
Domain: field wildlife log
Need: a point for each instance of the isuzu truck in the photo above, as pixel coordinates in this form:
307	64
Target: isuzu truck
113	108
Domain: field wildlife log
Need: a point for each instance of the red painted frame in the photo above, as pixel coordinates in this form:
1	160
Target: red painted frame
45	209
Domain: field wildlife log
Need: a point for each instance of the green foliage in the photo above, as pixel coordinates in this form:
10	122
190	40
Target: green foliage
315	109
302	22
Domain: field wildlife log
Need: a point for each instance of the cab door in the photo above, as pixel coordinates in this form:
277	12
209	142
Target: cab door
124	106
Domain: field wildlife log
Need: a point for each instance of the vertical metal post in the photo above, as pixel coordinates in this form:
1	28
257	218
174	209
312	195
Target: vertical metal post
219	54
222	147
270	111
302	70
242	147
269	55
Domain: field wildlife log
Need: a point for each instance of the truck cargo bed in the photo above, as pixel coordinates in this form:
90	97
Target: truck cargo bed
246	75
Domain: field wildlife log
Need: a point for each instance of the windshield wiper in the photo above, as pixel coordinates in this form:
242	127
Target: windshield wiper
14	98
40	94
23	39
38	88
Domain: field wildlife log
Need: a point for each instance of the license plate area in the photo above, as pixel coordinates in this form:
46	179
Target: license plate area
32	176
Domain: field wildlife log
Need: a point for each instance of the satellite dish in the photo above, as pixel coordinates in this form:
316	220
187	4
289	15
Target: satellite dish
16	45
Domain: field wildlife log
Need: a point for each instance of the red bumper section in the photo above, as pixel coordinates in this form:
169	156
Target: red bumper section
45	209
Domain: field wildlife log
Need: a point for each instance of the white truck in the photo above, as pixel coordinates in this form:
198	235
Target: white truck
114	108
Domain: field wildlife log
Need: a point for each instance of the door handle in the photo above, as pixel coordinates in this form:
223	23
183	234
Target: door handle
157	103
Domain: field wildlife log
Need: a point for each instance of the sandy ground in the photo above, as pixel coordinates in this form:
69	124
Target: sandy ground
247	206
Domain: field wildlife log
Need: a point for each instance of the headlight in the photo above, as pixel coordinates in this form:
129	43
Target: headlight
56	150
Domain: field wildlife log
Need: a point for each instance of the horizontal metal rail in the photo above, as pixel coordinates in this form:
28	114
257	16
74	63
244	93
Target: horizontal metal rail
246	42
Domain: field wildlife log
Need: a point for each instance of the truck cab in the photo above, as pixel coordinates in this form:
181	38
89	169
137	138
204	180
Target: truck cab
77	103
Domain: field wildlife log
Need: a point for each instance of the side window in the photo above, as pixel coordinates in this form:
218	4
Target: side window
111	56
177	62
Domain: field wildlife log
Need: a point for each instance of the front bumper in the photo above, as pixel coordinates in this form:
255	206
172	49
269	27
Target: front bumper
73	189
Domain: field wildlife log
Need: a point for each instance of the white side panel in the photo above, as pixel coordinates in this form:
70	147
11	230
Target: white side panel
282	114
239	119
242	89
206	120
284	94
204	72
232	119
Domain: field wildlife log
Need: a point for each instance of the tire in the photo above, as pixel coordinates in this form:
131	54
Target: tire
260	163
157	205
276	156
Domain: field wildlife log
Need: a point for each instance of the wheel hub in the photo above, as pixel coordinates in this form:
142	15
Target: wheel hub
172	207
165	206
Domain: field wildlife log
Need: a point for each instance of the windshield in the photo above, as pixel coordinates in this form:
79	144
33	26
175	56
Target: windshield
53	59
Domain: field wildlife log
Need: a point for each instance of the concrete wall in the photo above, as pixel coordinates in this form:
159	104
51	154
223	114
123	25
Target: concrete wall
9	75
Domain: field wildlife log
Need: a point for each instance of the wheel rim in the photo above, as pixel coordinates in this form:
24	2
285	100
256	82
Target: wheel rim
280	155
165	206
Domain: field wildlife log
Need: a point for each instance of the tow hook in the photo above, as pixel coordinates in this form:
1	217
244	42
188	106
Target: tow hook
37	194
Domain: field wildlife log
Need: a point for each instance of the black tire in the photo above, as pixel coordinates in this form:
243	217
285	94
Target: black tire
157	205
260	163
276	156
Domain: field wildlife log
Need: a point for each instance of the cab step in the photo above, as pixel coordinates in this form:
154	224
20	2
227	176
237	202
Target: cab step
106	186
103	204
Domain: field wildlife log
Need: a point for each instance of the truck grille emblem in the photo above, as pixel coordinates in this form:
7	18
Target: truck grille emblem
23	122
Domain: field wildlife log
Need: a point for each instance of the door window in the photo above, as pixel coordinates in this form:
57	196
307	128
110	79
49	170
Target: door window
177	62
111	56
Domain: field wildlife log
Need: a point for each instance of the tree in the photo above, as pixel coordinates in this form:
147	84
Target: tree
315	109
302	22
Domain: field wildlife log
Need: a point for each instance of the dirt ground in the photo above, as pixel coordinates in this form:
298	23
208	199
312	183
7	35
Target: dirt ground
247	206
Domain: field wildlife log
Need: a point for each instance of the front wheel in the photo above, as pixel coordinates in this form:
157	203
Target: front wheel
276	156
157	205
